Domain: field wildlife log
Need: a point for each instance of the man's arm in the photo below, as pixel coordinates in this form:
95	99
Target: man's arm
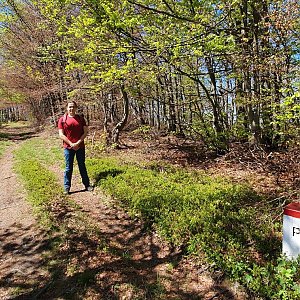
85	133
64	138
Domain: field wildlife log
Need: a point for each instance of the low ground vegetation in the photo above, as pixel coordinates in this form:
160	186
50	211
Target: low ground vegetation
3	145
224	222
228	224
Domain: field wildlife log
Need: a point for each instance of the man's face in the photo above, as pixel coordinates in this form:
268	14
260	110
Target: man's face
71	109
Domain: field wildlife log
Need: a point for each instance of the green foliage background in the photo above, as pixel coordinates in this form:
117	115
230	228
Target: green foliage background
218	71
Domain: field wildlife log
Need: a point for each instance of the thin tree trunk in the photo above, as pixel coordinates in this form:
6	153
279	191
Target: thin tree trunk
120	125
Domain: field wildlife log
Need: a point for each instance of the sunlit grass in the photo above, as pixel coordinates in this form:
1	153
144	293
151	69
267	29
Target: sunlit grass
4	145
19	124
47	151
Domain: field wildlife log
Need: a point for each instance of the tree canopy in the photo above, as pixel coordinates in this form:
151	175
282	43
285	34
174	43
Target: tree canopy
218	70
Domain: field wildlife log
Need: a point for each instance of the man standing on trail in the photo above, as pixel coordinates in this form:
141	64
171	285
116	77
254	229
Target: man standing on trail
73	129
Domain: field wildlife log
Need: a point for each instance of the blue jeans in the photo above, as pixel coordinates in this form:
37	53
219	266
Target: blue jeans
69	159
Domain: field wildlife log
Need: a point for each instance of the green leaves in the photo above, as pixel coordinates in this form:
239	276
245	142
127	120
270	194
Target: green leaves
211	63
287	117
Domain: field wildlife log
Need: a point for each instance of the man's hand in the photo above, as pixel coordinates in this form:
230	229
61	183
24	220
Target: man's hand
75	146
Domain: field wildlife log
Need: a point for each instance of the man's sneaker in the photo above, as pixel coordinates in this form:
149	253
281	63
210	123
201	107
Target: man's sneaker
89	188
66	191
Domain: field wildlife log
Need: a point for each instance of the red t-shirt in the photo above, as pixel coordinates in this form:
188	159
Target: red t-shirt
73	128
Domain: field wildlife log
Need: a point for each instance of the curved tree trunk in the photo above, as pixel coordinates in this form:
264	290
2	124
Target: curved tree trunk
120	125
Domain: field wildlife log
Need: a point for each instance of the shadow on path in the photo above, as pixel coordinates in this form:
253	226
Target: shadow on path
105	254
100	252
21	267
113	257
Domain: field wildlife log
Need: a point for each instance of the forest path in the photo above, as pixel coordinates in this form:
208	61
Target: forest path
124	259
21	239
128	261
106	255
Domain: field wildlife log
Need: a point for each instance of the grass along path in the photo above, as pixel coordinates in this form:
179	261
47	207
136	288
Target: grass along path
98	251
22	242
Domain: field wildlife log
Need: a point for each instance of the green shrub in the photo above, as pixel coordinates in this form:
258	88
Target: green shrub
278	279
228	223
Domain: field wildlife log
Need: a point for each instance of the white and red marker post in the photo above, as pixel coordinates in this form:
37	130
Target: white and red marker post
291	230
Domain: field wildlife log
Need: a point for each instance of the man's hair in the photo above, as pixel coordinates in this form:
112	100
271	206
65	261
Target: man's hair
73	102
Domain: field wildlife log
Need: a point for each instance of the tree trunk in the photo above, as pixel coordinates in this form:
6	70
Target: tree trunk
120	125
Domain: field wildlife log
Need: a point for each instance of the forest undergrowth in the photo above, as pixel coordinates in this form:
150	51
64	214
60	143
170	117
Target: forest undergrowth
224	210
227	209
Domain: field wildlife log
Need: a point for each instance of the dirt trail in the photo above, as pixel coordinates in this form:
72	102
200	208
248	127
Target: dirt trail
21	241
125	262
138	263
